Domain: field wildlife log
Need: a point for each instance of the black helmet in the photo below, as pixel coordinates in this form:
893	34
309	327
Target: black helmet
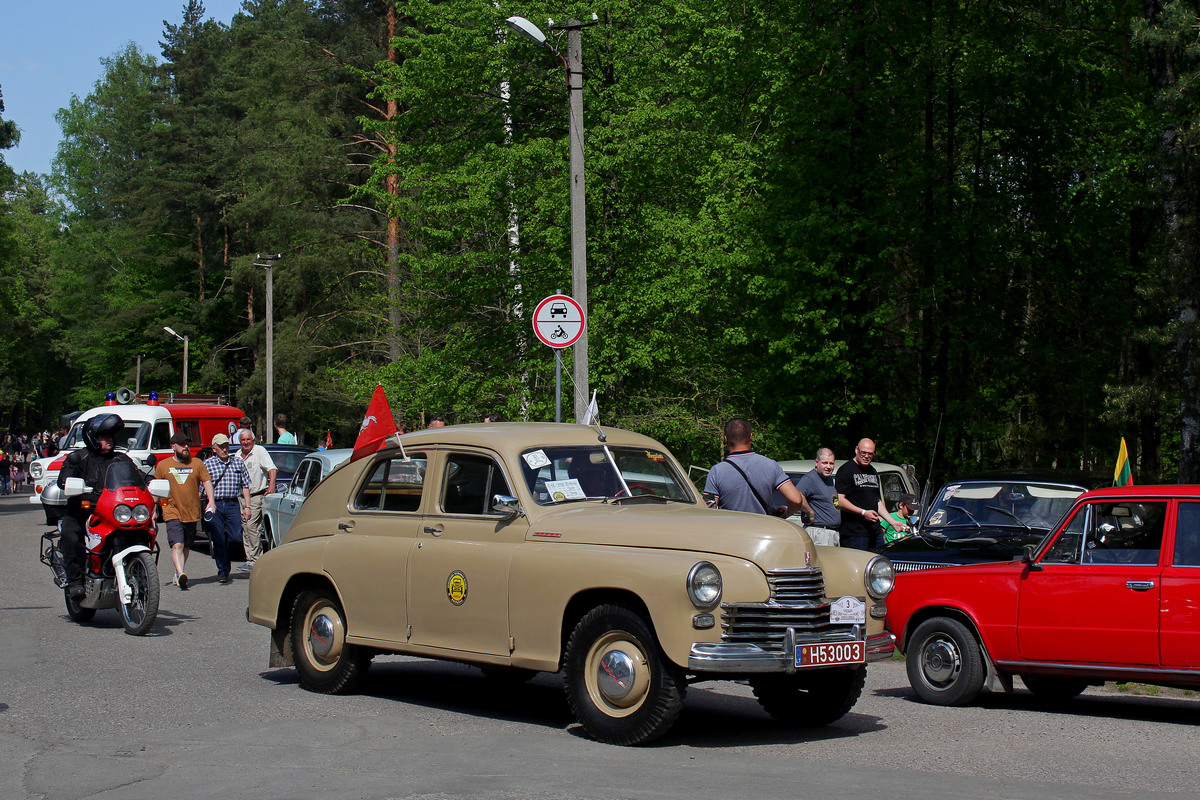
100	424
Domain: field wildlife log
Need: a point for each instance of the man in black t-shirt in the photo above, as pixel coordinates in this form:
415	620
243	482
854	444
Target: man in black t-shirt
859	499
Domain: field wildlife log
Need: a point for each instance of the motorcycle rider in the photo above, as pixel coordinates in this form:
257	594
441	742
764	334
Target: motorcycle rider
90	463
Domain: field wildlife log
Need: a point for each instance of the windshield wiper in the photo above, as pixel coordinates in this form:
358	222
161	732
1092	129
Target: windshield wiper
1020	521
970	516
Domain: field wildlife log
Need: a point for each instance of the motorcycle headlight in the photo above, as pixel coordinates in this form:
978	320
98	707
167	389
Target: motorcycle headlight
122	513
704	585
141	513
880	577
35	470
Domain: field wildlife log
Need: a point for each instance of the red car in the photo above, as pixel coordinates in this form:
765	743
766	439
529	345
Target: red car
1111	593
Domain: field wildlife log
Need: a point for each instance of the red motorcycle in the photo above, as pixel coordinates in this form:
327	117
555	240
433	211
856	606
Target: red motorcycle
121	555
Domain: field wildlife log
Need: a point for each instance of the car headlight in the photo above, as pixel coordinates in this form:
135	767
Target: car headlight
35	470
880	577
141	513
704	585
122	513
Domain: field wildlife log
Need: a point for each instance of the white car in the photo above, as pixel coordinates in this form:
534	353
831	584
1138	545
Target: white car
279	508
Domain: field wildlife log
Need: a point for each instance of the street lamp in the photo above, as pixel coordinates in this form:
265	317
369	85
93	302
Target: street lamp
574	66
183	339
267	262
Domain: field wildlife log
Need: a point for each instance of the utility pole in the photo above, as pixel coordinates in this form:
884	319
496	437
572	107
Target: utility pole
268	262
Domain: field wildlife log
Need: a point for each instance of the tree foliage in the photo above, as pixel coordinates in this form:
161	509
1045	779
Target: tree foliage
953	221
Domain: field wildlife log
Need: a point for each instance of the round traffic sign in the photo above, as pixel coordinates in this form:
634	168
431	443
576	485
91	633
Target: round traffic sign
558	321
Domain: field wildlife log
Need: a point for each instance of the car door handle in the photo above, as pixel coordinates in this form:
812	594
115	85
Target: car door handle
435	530
1140	586
346	526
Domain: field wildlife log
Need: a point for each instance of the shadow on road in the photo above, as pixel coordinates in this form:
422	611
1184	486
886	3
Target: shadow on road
1140	708
709	719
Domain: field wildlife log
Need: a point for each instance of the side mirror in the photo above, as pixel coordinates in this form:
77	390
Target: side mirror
150	460
506	505
74	487
159	487
1027	557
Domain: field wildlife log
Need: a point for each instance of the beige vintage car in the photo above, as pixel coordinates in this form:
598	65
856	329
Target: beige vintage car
540	547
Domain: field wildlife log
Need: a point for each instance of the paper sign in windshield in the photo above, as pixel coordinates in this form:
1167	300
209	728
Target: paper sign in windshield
537	459
847	611
565	490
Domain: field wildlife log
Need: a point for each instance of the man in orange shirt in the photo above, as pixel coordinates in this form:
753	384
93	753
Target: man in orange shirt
181	510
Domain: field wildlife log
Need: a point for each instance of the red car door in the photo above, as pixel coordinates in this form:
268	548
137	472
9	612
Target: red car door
1096	599
1180	641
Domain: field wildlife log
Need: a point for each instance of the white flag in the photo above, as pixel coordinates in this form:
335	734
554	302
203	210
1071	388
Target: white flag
592	415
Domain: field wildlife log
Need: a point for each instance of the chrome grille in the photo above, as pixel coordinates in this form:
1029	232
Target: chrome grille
917	566
797	601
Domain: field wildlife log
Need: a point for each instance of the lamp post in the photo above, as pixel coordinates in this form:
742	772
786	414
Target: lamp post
183	339
267	261
574	66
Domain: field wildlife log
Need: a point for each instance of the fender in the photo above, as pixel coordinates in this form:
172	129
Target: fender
124	593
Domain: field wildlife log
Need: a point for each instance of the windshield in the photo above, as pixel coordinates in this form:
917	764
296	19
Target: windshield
962	508
133	436
122	473
598	472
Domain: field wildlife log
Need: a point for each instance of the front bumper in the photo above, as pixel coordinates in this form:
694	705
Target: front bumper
751	658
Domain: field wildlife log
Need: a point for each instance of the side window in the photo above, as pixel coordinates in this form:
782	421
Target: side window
891	486
1068	547
1124	533
191	429
393	485
1187	535
299	484
160	439
471	480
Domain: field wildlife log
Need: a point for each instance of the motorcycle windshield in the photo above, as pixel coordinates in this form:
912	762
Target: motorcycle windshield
123	473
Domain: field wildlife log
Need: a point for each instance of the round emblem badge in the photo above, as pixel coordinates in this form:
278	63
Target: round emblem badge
456	588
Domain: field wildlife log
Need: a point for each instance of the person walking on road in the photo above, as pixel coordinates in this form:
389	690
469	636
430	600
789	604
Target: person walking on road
262	471
182	508
230	481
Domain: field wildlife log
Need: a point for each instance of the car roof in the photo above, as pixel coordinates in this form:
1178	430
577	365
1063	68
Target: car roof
286	448
806	465
514	437
330	458
1061	477
1189	491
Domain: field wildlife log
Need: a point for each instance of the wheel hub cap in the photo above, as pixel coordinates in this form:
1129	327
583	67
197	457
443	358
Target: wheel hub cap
320	635
617	675
941	661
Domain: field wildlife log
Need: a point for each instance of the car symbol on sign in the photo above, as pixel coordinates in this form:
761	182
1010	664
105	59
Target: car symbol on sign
558	309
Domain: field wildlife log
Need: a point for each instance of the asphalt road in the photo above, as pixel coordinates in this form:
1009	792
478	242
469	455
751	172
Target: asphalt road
192	711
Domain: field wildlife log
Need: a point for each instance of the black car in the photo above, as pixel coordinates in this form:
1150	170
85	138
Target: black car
990	516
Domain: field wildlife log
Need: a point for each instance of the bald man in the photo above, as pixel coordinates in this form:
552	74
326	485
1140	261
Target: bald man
859	499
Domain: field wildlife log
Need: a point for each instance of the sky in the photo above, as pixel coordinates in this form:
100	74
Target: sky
51	49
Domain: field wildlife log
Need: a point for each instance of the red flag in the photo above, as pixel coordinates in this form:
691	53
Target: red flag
328	441
377	426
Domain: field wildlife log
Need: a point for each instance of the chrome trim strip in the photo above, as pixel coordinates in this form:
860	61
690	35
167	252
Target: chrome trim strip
1191	675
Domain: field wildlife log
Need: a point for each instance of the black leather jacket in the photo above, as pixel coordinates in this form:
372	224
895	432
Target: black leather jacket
92	467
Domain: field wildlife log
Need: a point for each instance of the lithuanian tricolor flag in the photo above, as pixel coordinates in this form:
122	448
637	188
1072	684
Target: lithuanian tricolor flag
1123	476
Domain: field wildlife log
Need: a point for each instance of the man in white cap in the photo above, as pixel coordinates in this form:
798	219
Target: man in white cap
230	482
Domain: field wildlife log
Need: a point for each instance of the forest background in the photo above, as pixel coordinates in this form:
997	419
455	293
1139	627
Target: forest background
952	220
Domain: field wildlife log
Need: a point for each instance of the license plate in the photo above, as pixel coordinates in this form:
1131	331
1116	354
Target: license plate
831	654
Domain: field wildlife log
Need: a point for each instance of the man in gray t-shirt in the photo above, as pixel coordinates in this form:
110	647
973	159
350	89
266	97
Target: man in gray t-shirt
746	481
818	489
